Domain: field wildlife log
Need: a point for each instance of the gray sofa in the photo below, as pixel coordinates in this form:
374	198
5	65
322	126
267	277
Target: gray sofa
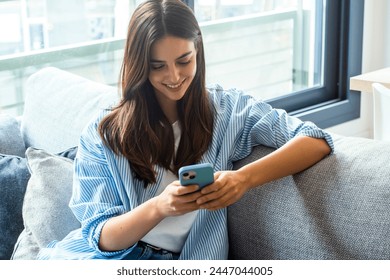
337	209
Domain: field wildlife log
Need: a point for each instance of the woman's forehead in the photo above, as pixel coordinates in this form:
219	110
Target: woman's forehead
171	48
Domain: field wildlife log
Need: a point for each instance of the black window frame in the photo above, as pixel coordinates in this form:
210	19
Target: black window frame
332	103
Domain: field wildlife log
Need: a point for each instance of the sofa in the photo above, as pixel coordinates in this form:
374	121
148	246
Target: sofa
337	209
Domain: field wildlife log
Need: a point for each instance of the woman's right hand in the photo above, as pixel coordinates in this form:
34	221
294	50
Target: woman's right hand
122	231
178	200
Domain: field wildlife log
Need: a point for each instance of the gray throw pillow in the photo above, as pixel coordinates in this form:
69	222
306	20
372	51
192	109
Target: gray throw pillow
46	213
14	176
11	141
53	126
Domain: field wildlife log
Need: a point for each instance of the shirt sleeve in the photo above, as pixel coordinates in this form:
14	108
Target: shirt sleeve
95	197
256	122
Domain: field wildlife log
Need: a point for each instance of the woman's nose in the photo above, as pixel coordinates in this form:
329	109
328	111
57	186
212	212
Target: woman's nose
173	74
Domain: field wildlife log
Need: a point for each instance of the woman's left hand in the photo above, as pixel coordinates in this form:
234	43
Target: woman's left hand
228	187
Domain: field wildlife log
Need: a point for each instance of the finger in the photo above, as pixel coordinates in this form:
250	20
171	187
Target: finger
210	196
188	206
182	190
190	197
225	200
180	207
216	204
211	188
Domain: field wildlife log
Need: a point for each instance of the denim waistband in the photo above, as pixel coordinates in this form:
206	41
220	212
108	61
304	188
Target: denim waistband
158	251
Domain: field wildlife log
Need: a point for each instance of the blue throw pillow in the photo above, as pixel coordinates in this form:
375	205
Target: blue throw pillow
14	176
11	141
46	213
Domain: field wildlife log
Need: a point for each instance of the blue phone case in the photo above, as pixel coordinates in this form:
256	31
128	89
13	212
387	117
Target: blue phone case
201	174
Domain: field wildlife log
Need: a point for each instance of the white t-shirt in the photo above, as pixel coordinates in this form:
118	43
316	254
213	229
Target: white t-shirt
171	233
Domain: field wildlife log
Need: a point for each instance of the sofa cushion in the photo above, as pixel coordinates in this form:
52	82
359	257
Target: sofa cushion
57	107
11	141
14	176
46	214
26	247
337	209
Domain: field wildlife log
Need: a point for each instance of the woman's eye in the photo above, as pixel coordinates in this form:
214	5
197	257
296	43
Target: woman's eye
184	62
157	66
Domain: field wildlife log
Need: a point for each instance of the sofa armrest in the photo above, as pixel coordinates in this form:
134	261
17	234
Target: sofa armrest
337	209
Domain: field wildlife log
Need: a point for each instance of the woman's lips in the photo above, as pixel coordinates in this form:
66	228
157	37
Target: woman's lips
171	86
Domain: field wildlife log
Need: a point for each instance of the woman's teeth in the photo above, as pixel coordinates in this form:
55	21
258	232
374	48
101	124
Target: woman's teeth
174	86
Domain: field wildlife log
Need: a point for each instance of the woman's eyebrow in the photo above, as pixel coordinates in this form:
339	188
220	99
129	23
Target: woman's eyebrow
184	55
180	57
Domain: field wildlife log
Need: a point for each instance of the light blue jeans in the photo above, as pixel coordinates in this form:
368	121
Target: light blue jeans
144	251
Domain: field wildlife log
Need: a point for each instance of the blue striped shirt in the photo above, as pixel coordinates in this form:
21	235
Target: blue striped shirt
104	187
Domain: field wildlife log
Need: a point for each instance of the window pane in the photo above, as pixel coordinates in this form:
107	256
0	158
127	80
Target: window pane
270	48
85	37
39	24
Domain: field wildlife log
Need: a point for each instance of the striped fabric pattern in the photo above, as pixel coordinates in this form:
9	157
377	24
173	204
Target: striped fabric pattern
104	185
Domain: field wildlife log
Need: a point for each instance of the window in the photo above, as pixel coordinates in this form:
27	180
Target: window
295	54
85	37
268	48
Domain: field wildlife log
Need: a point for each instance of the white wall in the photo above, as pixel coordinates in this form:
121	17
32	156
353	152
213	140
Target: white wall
376	55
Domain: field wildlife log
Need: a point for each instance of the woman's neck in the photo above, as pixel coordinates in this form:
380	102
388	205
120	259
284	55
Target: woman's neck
170	111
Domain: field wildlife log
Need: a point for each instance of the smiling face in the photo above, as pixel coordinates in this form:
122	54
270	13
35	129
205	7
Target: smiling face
172	69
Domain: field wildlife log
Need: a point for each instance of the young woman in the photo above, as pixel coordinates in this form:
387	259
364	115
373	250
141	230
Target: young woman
126	193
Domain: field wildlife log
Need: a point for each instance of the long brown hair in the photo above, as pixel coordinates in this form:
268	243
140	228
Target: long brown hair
137	127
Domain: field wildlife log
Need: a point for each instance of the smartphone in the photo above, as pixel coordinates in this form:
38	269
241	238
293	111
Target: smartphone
201	174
